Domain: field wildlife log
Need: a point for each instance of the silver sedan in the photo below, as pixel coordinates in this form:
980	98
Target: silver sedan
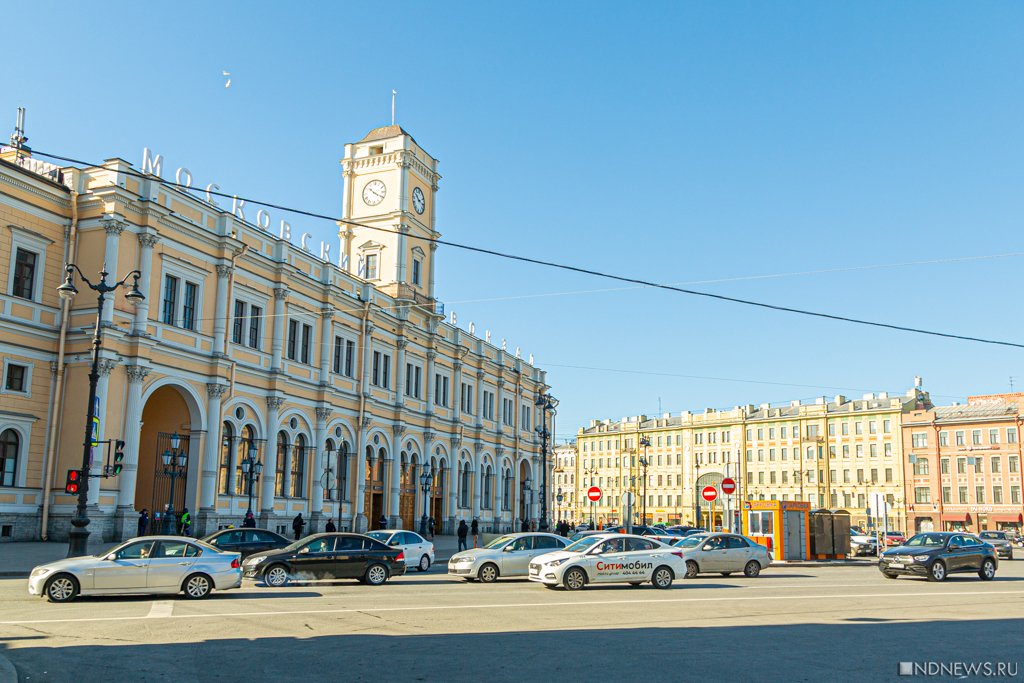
723	553
152	564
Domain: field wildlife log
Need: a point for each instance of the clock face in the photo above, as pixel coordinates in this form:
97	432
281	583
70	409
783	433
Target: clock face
418	202
373	192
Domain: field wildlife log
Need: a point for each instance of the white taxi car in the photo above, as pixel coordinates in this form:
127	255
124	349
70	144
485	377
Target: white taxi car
419	552
609	558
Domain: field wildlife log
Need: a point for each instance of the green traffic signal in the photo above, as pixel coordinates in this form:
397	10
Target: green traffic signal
118	456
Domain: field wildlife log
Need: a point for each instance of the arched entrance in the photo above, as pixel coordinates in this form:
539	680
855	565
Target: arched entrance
375	475
407	491
525	492
170	418
437	492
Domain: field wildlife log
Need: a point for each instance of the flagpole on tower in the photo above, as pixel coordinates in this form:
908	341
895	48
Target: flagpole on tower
393	94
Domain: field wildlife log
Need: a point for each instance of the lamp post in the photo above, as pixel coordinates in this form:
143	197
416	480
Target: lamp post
78	537
528	495
425	481
546	403
645	441
175	466
696	493
252	468
593	503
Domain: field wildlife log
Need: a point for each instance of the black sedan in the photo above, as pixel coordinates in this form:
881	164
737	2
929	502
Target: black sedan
937	554
246	541
327	556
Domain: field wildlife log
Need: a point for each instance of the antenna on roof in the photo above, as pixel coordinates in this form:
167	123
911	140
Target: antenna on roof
1011	384
394	93
18	139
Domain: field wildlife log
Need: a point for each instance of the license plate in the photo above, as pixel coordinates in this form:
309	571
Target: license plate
896	565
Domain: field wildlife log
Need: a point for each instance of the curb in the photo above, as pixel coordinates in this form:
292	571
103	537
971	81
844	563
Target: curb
8	674
16	575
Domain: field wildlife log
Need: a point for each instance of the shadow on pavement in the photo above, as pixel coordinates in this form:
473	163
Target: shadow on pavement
795	652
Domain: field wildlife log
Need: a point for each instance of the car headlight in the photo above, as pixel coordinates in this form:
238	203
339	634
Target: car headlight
465	560
922	558
256	560
40	571
556	563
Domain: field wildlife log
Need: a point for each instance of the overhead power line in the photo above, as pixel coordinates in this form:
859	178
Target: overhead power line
562	266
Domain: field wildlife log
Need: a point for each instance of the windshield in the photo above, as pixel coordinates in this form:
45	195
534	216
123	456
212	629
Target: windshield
927	541
380	535
691	541
499	542
583	544
992	534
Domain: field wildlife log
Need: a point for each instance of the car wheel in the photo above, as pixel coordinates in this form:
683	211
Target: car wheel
488	573
726	573
752	569
424	564
197	587
937	572
61	588
662	577
890	575
376	574
988	570
575	579
276	576
691	569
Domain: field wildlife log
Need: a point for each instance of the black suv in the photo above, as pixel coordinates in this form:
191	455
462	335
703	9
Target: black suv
327	556
937	554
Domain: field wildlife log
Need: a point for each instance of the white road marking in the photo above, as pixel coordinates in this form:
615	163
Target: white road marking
161	609
521	605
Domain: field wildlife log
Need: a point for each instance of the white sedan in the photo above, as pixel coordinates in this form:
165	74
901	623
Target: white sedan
152	564
609	558
419	552
507	555
723	553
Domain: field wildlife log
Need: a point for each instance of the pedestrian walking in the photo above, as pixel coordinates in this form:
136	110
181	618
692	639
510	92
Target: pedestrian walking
383	521
249	521
430	528
463	531
476	531
186	522
525	526
143	521
330	528
297	525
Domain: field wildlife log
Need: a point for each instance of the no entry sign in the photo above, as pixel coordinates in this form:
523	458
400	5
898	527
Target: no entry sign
594	493
728	486
709	493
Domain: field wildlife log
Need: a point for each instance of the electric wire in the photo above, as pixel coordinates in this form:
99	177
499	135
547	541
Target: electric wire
562	266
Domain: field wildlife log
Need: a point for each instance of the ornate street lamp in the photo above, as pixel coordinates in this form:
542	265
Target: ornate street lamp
175	466
425	480
78	537
252	468
645	464
546	403
528	493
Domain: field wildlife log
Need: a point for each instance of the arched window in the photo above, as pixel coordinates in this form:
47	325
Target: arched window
282	455
227	443
242	452
464	474
488	487
299	467
9	447
506	490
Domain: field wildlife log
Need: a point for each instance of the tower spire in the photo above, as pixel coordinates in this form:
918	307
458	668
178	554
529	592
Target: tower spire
394	93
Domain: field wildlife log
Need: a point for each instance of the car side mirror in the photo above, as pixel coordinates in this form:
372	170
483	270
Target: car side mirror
304	550
111	557
508	548
708	546
394	543
954	546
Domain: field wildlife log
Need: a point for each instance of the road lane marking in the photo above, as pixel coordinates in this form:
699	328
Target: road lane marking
161	609
520	605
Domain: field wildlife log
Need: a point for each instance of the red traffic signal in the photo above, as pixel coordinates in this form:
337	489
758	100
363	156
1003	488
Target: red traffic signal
73	480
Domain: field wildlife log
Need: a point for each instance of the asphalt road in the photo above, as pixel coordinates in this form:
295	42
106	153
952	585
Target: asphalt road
794	624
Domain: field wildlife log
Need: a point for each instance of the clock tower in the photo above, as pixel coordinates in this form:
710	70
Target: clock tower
387	211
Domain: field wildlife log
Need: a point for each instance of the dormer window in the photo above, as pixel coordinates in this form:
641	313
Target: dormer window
376	149
417	267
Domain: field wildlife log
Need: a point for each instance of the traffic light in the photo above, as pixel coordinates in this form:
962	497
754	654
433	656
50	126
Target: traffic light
71	485
118	456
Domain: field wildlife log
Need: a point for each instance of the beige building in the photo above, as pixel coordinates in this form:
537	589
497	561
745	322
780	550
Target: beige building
335	368
832	453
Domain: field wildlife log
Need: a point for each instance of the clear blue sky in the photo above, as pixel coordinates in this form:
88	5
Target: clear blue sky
679	142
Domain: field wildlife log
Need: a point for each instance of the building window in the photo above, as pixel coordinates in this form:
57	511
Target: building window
24	283
943	438
993	436
1011	435
872	427
858	427
413	380
944	465
417	267
524	418
280	484
960	439
507	412
947	496
922	494
976	437
961	494
10	445
441	390
845	429
997	495
247	316
979	494
372	266
241	453
227	437
921	466
887	426
180	301
380	375
298	467
170	299
1015	495
997	465
919	440
16	378
344	357
466	398
299	335
488	407
1014	463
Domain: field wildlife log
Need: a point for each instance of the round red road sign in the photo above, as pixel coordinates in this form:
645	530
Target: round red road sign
728	486
594	493
709	493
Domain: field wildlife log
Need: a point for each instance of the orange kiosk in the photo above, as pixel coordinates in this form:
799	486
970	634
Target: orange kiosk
779	525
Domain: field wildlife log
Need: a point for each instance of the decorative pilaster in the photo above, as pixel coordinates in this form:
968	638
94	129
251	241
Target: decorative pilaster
113	228
326	316
277	343
478	402
211	447
400	344
132	427
359	521
147	240
220	315
274	404
429	379
316	505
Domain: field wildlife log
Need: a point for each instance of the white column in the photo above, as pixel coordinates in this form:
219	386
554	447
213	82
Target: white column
499	407
274	404
401	345
478	400
277	343
430	266
326	316
220	312
403	231
453	486
99	454
113	228
395	477
457	392
478	479
132	427
429	379
147	240
211	450
316	505
367	342
359	522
